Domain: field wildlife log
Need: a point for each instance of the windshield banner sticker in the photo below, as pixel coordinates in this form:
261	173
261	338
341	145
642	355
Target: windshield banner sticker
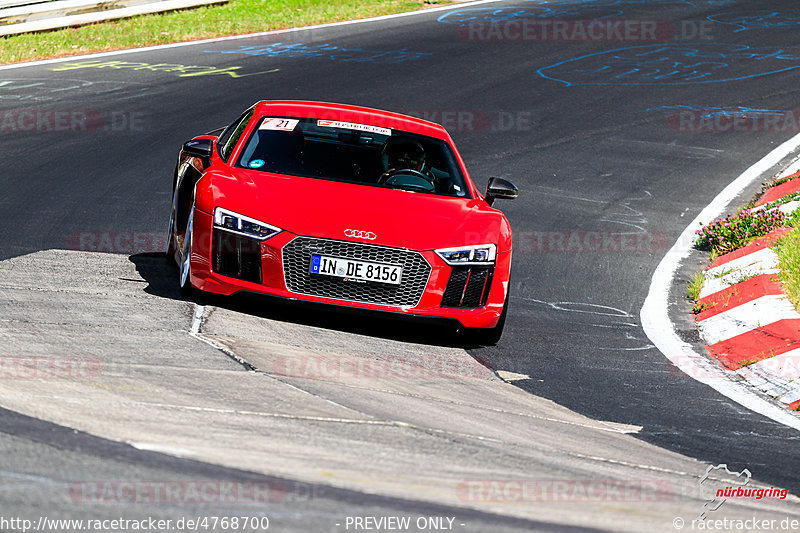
354	126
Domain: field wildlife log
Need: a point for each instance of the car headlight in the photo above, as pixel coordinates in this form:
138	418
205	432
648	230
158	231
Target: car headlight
481	254
242	225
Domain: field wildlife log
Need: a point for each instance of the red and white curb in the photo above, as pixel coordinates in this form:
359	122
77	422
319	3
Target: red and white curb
663	332
749	325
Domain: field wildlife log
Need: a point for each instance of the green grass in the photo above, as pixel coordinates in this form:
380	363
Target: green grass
695	286
784	179
788	250
235	17
693	293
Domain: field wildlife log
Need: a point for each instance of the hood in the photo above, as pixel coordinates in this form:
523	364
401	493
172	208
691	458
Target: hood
321	208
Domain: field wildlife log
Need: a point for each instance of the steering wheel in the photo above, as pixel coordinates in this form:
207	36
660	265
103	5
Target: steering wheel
391	176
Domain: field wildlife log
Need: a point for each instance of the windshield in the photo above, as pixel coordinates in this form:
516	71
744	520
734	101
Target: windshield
354	153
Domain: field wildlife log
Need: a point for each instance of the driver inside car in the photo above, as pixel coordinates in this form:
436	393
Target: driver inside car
402	153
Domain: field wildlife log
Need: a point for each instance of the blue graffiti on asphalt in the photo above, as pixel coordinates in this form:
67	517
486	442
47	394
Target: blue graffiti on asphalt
496	15
707	112
647	3
673	64
759	19
324	51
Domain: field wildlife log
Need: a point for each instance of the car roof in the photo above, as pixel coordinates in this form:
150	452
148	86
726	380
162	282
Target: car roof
350	113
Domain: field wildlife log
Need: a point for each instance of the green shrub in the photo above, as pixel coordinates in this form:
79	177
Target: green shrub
734	231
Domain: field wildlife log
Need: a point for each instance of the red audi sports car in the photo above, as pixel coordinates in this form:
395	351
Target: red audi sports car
342	205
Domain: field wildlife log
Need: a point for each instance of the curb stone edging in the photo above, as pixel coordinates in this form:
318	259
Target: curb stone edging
747	322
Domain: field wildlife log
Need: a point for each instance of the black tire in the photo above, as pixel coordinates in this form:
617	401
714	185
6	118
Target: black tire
170	251
185	267
490	336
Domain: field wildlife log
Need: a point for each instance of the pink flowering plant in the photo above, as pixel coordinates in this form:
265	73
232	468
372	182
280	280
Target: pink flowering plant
734	231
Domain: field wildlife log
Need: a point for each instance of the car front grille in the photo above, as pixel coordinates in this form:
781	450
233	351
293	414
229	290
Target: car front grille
297	271
468	287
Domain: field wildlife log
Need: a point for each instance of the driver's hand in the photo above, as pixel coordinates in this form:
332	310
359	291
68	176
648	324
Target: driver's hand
385	176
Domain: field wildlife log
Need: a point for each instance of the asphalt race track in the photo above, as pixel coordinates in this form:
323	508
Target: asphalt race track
616	143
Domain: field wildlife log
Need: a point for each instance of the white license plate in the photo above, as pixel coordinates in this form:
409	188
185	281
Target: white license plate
353	270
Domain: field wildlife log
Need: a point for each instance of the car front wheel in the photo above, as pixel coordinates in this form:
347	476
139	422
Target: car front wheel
489	336
185	268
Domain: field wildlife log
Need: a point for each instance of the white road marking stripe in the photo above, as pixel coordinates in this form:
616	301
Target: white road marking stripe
161	448
512	376
765	258
198	319
655	310
747	317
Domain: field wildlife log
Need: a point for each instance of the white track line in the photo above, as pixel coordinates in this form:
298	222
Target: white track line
198	319
245	36
655	317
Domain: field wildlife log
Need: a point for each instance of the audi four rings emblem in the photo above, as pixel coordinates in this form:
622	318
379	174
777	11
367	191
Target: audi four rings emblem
360	234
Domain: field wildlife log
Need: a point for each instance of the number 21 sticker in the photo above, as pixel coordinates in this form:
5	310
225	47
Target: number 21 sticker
279	124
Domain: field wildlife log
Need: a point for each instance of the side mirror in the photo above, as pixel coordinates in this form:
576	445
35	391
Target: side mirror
500	188
199	148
